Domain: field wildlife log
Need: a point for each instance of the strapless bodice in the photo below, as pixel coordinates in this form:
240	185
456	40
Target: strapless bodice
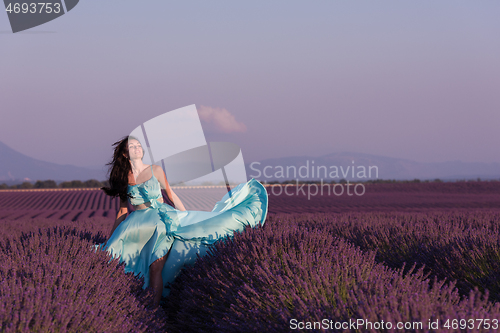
149	191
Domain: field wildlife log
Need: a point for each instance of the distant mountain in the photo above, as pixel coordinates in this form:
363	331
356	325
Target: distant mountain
16	167
336	166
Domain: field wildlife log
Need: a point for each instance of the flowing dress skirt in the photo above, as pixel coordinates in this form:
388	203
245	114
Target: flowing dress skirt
148	234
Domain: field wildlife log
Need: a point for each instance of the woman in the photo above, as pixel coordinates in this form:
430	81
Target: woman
156	239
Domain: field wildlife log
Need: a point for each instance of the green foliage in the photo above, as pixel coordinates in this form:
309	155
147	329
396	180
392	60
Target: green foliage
72	184
373	181
42	184
92	183
45	184
26	185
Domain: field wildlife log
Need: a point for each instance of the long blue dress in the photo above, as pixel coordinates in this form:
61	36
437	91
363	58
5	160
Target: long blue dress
148	234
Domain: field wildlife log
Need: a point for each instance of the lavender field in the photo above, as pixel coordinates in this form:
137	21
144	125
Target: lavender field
425	253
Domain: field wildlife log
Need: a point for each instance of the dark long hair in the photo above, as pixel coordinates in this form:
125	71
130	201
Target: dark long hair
119	170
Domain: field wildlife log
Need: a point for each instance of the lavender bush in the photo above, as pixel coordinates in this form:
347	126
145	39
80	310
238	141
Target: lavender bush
51	281
288	269
461	246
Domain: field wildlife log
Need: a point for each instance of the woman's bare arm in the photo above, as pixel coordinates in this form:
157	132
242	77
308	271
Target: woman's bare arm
177	202
160	175
122	215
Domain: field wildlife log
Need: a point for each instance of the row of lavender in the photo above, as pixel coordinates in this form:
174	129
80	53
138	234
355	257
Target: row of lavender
78	205
81	204
415	197
297	269
57	200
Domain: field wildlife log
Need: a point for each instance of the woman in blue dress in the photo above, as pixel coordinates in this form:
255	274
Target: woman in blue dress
156	239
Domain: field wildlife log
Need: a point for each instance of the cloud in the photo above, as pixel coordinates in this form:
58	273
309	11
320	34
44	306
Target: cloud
220	119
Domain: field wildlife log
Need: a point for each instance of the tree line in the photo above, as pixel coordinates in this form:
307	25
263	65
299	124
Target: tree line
91	183
374	181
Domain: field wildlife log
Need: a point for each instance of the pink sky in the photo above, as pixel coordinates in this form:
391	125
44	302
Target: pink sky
407	80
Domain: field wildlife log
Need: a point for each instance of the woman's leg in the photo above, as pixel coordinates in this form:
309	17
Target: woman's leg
155	278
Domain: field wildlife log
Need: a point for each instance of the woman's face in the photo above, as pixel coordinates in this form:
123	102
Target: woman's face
135	149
